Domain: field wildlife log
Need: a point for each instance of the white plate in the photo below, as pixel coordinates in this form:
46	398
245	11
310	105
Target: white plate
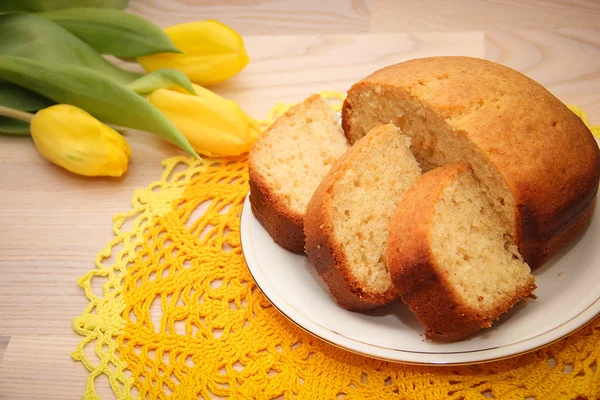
568	297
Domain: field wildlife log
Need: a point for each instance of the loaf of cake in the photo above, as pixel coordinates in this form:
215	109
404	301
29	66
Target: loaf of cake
450	257
536	160
347	218
287	163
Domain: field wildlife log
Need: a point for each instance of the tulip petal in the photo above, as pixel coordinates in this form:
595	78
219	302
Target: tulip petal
73	139
212	52
224	115
213	125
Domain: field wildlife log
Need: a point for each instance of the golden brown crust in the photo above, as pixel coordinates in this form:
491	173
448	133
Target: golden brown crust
544	153
325	253
568	234
414	270
283	224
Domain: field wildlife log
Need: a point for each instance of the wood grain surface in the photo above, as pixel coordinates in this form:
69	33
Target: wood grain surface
3	345
458	15
263	17
53	223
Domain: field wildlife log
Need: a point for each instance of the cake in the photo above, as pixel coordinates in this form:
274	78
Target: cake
450	256
511	176
287	163
536	160
347	218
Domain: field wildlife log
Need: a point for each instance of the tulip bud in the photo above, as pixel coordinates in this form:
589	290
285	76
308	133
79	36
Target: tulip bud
78	142
213	125
211	52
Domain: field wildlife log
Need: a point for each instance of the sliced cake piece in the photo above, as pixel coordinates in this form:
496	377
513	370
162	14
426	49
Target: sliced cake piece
287	163
451	258
347	218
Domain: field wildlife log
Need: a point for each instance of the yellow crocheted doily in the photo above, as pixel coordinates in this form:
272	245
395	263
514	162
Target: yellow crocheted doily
178	316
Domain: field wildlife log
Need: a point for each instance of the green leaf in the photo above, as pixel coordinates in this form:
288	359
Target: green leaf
113	32
46	5
105	99
34	37
14	96
165	78
13	127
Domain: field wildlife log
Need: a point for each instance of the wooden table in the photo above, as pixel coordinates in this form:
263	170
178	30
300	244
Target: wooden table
52	223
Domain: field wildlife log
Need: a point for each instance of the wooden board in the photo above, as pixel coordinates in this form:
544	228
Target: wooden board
263	17
458	15
3	345
40	367
53	223
279	17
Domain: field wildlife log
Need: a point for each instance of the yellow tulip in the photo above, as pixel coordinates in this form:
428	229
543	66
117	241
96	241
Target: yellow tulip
211	52
78	142
213	125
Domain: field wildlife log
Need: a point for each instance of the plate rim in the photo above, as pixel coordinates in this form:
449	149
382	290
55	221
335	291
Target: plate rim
547	338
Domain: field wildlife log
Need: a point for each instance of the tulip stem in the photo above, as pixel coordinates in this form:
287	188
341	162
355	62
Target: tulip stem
25	116
16	114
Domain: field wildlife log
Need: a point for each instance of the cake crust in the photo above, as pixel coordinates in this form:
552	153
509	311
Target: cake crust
285	226
325	253
414	270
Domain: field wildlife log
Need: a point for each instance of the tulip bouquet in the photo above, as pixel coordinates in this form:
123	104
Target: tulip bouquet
56	86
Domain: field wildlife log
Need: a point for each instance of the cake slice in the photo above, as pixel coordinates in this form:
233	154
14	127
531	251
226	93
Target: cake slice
347	218
287	163
451	258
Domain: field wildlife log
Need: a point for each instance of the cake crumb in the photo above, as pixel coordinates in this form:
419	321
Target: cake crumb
560	274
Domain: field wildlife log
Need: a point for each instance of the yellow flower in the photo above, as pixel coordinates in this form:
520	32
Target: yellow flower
211	52
581	114
214	126
78	142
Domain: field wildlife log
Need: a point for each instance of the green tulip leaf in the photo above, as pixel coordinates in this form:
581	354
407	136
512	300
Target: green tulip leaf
165	78
47	5
34	37
113	32
93	92
14	96
13	127
19	98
